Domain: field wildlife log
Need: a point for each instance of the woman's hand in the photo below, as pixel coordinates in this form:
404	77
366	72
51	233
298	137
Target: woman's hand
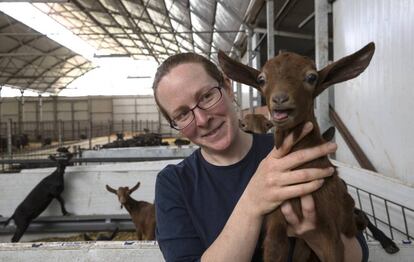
274	182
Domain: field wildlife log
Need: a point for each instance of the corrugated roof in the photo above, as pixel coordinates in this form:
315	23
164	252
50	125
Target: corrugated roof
157	28
30	60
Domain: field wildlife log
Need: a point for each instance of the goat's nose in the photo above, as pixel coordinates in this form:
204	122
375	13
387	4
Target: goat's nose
280	98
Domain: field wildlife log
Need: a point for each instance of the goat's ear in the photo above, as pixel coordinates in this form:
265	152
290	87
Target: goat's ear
344	69
329	134
134	188
237	71
269	124
110	189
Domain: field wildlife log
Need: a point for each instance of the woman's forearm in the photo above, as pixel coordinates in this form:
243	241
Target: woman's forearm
238	239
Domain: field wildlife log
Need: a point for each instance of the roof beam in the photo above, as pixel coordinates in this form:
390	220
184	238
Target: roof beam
135	28
83	9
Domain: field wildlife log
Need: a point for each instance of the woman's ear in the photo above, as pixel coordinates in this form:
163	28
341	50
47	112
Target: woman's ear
227	86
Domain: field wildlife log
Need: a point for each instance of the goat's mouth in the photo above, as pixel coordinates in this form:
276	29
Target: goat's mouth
281	114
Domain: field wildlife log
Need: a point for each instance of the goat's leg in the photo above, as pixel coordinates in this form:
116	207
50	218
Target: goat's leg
331	245
139	235
62	205
20	229
302	252
276	242
389	246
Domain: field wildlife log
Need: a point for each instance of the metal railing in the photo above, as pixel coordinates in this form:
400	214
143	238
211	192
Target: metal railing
399	211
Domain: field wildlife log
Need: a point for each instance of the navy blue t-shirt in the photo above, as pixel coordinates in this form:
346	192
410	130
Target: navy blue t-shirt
194	199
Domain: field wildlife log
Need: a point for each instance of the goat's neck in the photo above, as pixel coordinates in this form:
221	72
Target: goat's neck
130	204
310	140
60	170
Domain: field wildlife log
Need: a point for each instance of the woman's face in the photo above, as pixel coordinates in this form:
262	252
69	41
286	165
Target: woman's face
180	89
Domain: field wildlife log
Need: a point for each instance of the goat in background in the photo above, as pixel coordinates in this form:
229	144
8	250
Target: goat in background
142	212
49	188
290	83
255	123
102	237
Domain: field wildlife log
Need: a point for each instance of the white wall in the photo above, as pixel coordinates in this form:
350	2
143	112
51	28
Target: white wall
377	106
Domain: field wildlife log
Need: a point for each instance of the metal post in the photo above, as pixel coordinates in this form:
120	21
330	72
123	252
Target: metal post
270	30
60	135
55	117
109	131
20	112
90	134
321	58
159	122
9	137
250	40
72	111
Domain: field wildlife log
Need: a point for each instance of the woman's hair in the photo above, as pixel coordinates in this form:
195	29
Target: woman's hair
177	60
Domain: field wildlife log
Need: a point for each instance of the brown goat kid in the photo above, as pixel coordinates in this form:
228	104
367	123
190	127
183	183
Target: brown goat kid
142	213
290	83
255	123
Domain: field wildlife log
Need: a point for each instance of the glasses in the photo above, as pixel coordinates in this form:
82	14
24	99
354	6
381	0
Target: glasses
206	101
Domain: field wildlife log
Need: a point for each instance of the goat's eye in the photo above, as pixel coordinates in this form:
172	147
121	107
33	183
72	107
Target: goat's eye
311	78
261	80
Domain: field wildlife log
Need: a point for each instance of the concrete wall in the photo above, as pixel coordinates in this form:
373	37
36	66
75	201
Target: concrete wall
85	192
136	251
377	106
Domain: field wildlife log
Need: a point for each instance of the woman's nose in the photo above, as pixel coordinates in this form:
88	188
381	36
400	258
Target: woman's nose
201	116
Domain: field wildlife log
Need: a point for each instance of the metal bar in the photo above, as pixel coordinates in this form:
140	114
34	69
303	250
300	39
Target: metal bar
351	142
75	224
321	59
270	29
306	20
90	160
32	54
287	34
372	208
405	223
388	217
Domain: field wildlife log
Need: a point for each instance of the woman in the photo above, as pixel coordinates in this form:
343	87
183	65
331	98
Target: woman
210	207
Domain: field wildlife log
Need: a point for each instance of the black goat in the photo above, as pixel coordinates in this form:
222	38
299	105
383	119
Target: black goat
41	195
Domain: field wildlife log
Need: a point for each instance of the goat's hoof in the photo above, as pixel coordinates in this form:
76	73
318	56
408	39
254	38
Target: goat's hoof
392	248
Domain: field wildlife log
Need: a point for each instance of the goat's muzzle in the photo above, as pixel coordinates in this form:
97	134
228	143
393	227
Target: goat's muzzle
281	114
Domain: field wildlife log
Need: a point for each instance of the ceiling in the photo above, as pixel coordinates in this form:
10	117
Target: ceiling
148	28
30	60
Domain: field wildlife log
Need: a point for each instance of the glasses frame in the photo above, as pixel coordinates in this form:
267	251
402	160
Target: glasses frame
198	106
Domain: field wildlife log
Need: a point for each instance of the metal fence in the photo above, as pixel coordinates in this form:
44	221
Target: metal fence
392	218
44	137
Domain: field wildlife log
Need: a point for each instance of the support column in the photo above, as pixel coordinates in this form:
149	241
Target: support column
20	115
40	105
55	117
270	30
321	59
90	133
72	117
255	63
249	33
